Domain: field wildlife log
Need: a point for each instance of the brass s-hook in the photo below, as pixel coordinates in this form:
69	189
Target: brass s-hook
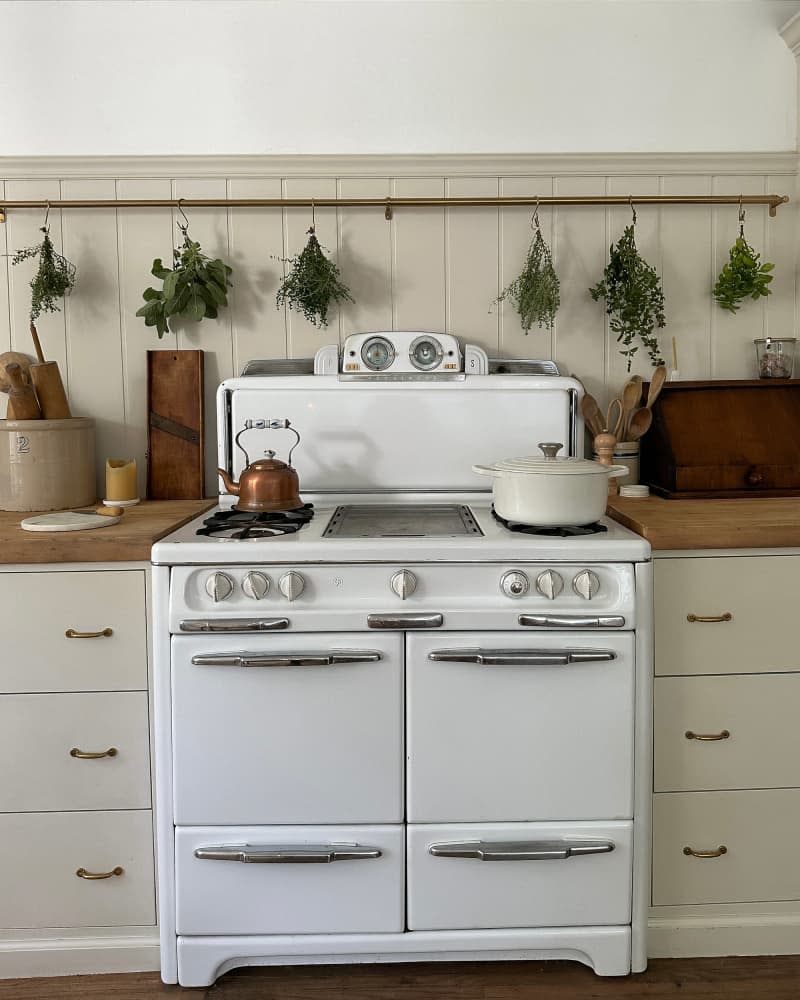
46	216
741	217
535	216
185	227
633	210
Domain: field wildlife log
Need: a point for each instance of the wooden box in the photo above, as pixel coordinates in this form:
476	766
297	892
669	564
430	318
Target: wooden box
724	439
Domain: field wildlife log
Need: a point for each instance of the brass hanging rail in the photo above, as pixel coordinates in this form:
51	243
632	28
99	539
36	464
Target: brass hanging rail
389	204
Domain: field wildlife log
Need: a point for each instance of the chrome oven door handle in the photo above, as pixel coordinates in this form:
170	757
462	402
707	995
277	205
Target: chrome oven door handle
521	657
520	850
572	621
329	659
234	625
401	620
287	854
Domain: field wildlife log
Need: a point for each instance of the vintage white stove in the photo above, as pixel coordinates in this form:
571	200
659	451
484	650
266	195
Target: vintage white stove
401	731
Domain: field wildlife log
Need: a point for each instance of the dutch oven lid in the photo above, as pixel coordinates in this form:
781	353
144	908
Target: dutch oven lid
548	463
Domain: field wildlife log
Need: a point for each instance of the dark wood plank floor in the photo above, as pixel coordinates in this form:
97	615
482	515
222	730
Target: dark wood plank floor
763	978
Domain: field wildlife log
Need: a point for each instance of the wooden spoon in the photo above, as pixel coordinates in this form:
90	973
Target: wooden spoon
639	423
657	381
592	414
631	396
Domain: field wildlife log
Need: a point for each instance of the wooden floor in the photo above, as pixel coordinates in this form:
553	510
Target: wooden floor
764	978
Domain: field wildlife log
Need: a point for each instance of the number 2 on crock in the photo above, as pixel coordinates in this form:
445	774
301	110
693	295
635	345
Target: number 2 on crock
23	444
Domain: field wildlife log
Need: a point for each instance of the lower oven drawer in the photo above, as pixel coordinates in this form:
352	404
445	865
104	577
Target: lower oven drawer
290	880
278	735
508	727
519	875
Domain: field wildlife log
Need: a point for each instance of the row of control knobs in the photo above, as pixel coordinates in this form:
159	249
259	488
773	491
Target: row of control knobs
549	584
255	585
514	583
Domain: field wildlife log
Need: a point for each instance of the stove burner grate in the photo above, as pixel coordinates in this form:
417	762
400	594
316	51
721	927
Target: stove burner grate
561	531
246	524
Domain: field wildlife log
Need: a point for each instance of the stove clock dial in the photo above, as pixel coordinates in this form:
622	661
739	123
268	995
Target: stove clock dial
549	584
586	584
403	583
255	585
514	583
219	586
291	585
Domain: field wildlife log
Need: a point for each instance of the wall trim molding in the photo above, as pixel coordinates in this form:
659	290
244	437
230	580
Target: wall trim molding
401	165
717	936
26	958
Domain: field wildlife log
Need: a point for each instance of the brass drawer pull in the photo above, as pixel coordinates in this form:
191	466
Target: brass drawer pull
72	634
86	755
724	735
722	849
727	617
93	876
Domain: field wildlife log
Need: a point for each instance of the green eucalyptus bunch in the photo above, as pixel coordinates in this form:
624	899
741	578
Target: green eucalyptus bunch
743	276
195	288
535	292
634	298
312	284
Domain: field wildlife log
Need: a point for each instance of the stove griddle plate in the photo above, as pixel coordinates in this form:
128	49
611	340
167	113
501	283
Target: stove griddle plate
560	531
244	524
409	520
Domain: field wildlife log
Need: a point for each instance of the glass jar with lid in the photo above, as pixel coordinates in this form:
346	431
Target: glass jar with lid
775	356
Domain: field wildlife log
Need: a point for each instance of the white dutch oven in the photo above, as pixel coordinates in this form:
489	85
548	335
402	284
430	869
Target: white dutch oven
550	491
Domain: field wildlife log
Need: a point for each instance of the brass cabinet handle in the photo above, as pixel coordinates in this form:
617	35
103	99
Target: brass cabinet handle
92	876
727	617
722	849
87	755
72	634
724	735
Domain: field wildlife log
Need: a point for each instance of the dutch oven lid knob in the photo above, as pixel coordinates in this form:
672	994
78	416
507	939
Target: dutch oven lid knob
550	448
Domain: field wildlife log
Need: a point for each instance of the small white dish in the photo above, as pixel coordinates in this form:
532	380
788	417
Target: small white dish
120	503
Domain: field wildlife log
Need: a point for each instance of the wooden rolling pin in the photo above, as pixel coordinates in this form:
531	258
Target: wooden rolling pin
47	381
22	401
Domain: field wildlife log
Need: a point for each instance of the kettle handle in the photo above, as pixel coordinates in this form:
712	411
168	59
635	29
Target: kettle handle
268	423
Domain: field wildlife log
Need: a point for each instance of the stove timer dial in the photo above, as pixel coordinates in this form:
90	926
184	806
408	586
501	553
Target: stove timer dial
549	584
514	583
403	583
291	585
586	584
255	585
219	586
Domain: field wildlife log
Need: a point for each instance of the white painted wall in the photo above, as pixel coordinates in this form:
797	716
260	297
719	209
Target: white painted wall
394	76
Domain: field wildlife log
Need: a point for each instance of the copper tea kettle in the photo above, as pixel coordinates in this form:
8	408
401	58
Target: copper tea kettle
266	484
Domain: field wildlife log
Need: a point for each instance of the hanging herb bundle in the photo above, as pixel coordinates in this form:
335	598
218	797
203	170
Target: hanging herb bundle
535	292
634	298
53	279
744	275
195	288
312	285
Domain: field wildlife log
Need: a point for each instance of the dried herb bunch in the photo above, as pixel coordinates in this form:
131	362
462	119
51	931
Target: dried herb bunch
744	275
535	292
312	284
634	298
53	279
195	288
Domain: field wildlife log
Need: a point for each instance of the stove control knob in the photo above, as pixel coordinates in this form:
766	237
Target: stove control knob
255	585
219	586
291	585
586	584
403	583
549	584
514	583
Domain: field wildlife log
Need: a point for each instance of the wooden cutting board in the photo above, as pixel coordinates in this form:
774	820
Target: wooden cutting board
175	432
67	520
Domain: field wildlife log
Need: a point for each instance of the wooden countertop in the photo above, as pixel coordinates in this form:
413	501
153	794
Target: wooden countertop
129	540
711	524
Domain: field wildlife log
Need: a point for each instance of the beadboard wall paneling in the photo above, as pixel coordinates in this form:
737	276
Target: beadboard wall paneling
431	268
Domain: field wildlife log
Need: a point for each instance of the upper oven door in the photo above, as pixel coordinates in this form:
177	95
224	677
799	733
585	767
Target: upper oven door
503	726
288	728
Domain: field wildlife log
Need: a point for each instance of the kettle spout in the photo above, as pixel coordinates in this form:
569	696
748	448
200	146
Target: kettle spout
230	485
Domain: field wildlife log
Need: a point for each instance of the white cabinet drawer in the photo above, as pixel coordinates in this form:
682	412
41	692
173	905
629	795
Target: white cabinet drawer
758	592
760	831
497	742
37	733
42	852
447	892
38	609
759	714
360	893
288	744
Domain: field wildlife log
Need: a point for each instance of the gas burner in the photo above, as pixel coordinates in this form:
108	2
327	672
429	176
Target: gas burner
245	524
561	531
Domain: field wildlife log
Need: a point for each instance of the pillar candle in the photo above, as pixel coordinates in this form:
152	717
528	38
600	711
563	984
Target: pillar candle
121	479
